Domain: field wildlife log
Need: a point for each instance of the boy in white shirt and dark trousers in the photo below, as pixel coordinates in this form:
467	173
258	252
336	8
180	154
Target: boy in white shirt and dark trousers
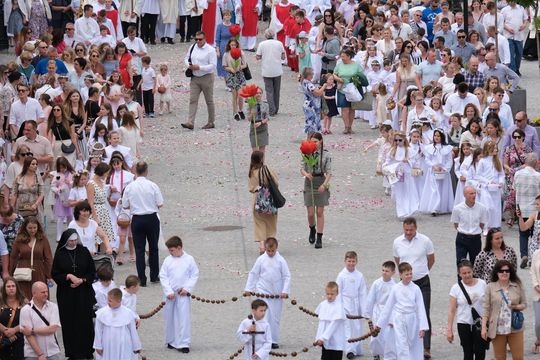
256	328
270	275
382	344
331	331
178	276
148	86
354	295
405	312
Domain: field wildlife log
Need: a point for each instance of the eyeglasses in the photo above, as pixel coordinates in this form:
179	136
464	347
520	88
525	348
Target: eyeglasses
461	37
417	15
493	110
398	140
199	39
506	271
79	50
444	55
95	56
57	109
27	154
69	29
22	90
516	137
408	47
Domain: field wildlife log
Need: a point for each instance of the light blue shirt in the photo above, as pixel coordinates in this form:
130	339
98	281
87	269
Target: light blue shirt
429	71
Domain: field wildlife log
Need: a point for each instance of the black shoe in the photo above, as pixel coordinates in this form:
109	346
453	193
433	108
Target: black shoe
153	42
169	346
184	350
242	116
170	41
182	40
237	117
312	233
350	355
142	284
524	262
154	281
162	40
275	346
318	243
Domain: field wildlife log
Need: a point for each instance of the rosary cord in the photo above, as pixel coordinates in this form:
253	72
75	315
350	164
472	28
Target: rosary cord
153	312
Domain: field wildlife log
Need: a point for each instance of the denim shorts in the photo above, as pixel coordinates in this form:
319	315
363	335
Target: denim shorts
342	101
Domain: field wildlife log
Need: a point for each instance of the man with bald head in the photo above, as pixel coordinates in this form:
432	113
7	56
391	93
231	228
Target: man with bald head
502	72
473	77
469	218
39	322
521	121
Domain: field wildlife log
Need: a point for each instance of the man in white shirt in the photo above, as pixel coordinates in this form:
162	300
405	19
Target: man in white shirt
458	24
201	59
143	199
347	9
69	36
40	147
40	341
456	102
503	46
26	108
489	18
469	218
271	53
86	28
399	29
417	250
516	21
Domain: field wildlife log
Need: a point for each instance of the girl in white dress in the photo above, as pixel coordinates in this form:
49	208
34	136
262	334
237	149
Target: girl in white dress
129	135
106	117
416	160
163	80
78	192
461	168
403	187
490	177
384	143
437	195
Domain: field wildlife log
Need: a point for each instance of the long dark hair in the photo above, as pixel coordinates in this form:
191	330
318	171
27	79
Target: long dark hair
18	294
498	266
318	136
257	161
27	161
489	239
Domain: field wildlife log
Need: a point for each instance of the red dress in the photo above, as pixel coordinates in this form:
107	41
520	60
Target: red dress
292	32
249	17
123	66
209	22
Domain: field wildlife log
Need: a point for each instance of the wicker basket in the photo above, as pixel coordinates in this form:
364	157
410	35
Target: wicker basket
123	220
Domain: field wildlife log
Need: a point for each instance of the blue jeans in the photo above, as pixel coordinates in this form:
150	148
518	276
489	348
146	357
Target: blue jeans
516	52
524	241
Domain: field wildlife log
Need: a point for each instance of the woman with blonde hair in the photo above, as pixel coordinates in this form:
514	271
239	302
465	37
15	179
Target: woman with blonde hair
68	55
482	98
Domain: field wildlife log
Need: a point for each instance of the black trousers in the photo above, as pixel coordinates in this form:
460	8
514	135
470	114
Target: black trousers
148	100
331	354
148	27
126	24
138	93
425	286
468	244
184	26
474	347
194	25
146	228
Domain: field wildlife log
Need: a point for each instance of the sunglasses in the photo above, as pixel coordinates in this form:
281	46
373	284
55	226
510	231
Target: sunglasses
57	109
506	271
199	39
22	90
516	137
27	154
492	110
461	37
68	29
79	50
398	140
408	47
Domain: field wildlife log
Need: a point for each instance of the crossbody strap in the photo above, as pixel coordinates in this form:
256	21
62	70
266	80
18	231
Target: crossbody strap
190	52
32	255
504	297
465	292
44	319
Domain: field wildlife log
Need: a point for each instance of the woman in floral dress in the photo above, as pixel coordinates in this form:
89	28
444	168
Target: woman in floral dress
98	193
514	159
10	223
39	13
312	101
235	78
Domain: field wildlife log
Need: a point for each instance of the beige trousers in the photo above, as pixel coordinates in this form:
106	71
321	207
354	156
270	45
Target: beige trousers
204	84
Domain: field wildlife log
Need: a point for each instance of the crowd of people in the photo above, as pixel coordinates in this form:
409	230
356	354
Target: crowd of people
436	85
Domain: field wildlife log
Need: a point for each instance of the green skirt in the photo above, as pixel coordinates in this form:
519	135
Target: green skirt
318	199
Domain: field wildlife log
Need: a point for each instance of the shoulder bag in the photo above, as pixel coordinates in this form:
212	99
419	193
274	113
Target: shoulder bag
66	149
247	73
517	315
264	203
25	274
44	319
278	199
189	72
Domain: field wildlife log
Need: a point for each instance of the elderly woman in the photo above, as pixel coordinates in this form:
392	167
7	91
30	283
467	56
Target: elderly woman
73	271
27	194
12	302
31	250
312	101
465	296
504	295
494	250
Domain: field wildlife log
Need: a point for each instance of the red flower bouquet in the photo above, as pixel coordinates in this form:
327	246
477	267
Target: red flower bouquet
307	150
248	92
235	30
236	54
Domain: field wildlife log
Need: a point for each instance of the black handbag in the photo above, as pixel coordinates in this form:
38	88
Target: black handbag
189	72
66	149
278	199
247	73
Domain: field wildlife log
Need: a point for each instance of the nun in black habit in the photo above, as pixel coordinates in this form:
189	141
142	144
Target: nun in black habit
73	271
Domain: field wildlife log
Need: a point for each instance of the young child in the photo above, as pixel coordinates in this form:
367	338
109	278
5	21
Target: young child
270	275
331	331
61	183
330	99
178	276
384	142
381	112
461	166
256	323
104	284
129	292
148	84
303	51
353	294
164	82
405	313
104	37
377	298
116	334
77	194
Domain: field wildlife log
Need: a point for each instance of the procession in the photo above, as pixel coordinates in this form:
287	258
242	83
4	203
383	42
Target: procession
244	179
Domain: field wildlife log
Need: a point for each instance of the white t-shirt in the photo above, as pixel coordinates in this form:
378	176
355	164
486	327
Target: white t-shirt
31	110
476	293
148	78
270	52
87	234
78	193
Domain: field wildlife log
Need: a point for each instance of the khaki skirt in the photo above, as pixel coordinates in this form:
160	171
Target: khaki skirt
318	199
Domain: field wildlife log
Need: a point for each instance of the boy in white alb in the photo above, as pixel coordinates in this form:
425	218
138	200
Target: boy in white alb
116	334
104	284
178	276
255	323
382	344
331	331
353	291
405	312
270	275
129	292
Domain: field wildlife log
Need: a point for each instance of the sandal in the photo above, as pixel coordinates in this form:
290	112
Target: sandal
536	348
132	258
